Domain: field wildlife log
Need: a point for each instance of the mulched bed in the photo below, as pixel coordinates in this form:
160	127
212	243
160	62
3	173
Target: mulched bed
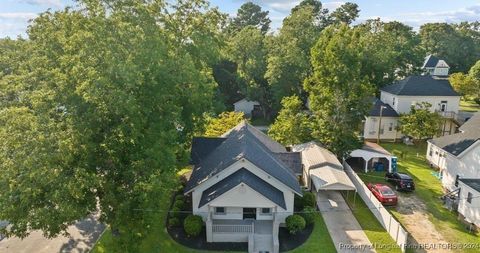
200	242
289	241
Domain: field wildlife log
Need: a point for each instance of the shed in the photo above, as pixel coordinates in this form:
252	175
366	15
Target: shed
372	153
245	106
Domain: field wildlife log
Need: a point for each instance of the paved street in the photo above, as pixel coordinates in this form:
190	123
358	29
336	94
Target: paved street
342	225
82	238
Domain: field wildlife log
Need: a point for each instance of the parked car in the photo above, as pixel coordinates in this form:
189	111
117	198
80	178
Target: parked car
383	193
402	182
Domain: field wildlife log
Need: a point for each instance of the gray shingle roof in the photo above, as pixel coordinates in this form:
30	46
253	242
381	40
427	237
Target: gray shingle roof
387	112
248	178
474	183
421	86
203	146
430	62
244	141
293	160
455	144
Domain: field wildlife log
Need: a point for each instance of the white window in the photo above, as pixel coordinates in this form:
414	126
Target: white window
390	127
469	197
219	210
266	211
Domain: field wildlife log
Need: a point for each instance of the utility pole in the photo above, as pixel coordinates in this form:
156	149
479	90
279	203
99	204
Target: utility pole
380	123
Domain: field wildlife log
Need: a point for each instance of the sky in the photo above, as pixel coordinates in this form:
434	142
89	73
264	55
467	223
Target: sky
15	14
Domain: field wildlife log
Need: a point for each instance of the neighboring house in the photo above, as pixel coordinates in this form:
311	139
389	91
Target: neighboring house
401	95
243	185
247	107
435	66
457	155
321	169
458	158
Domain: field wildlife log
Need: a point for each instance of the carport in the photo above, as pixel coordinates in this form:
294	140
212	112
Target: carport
372	154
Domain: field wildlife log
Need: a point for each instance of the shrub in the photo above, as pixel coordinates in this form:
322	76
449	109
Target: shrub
308	199
180	204
193	225
477	100
308	214
175	212
295	223
173	222
180	197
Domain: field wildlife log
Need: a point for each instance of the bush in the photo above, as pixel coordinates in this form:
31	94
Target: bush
173	222
308	214
295	223
477	100
193	225
180	204
180	197
175	212
308	199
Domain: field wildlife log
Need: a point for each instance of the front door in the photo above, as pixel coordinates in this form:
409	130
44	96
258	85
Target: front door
249	213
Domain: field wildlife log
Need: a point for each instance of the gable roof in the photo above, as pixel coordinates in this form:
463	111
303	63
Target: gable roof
244	141
421	86
473	183
430	62
455	144
293	160
387	111
203	146
243	176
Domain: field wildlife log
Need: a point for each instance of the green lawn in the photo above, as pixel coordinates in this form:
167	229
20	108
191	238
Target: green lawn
319	241
469	106
158	240
371	226
411	159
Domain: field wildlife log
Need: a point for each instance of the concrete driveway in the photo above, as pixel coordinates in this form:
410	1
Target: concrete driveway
344	229
83	236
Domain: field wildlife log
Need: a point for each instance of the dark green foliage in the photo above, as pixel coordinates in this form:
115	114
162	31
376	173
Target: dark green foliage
308	213
176	212
193	225
309	199
250	14
180	197
173	222
180	204
295	223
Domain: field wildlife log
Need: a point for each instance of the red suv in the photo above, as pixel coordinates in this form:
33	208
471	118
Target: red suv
383	193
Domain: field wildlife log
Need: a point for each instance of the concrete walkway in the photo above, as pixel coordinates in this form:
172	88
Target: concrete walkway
83	236
346	233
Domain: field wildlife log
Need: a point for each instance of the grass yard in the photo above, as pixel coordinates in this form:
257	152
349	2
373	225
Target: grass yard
372	228
159	241
411	159
319	241
469	106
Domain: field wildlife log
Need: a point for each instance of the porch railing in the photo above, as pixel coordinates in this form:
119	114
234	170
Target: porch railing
226	228
447	114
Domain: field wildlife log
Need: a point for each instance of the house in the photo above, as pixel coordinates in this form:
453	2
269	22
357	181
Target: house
397	99
249	108
321	169
243	185
458	158
435	67
457	155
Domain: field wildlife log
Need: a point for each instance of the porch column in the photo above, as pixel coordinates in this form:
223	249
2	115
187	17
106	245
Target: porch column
366	165
209	226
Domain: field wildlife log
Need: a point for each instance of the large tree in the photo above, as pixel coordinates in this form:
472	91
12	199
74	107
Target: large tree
346	13
292	125
421	122
247	49
216	126
250	14
339	91
452	43
105	102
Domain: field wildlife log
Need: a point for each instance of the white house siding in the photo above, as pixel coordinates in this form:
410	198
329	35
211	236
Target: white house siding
466	166
245	106
441	71
390	99
436	156
389	126
404	103
281	213
471	211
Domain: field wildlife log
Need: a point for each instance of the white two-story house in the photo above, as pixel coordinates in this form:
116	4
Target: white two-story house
243	185
397	99
458	158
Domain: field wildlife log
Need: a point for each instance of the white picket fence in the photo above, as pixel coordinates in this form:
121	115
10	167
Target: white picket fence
393	227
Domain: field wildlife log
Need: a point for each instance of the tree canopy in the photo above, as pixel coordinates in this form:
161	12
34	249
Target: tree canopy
215	127
100	109
420	123
250	14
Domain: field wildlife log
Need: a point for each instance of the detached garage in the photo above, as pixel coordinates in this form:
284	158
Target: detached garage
372	157
322	170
